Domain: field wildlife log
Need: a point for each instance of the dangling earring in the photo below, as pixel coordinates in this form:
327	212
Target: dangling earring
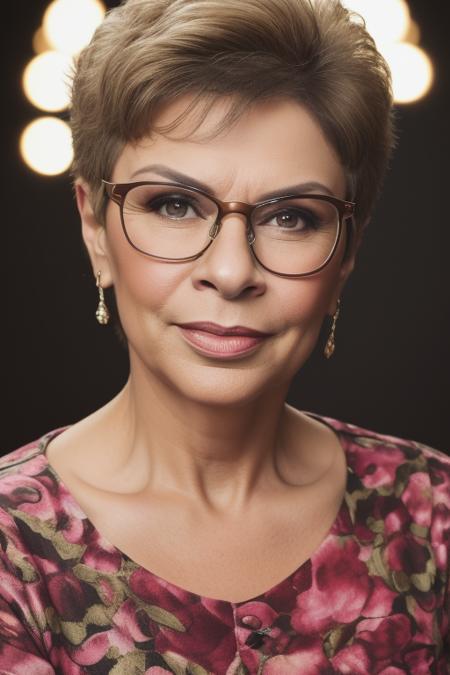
330	346
102	312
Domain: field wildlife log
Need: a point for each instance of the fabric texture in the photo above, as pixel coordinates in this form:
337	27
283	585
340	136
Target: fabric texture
373	598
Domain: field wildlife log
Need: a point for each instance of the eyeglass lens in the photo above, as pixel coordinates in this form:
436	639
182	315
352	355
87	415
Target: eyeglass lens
292	236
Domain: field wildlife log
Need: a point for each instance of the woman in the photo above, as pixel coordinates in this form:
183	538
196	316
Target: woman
227	158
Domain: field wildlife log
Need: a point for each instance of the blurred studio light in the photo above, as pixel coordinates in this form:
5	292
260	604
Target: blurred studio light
70	24
67	27
412	71
40	43
397	37
386	20
46	146
413	34
45	81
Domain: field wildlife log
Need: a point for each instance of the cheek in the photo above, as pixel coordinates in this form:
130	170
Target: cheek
303	303
301	306
141	284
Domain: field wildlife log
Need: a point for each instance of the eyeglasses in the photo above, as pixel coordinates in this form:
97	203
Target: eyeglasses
292	236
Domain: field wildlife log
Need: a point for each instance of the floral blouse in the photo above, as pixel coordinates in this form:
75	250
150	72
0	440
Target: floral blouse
373	598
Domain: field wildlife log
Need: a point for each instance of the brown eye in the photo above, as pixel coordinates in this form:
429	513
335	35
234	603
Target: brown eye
176	208
172	207
295	219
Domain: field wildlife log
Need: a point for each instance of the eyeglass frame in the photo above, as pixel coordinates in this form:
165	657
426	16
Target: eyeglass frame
117	193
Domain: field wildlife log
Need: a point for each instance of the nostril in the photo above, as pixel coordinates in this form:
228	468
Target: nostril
208	284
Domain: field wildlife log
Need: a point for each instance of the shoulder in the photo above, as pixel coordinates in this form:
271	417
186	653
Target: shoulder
382	459
398	486
389	468
33	551
27	462
41	526
28	487
18	469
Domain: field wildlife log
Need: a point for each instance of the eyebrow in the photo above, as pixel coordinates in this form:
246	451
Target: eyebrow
177	176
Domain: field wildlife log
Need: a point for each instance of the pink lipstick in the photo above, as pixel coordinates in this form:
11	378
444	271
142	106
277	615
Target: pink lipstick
222	342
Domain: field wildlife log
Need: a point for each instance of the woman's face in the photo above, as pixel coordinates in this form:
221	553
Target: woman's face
273	146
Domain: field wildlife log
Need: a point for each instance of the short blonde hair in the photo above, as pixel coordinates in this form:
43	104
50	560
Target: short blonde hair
147	53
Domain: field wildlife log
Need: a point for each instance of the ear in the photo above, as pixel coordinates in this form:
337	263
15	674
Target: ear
347	267
94	235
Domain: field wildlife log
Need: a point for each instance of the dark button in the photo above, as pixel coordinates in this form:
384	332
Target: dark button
256	639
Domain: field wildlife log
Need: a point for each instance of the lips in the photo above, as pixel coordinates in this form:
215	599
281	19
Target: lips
211	339
216	329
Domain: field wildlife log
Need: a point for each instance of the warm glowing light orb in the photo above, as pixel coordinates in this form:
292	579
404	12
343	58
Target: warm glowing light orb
46	146
70	24
413	34
45	81
412	71
386	20
40	43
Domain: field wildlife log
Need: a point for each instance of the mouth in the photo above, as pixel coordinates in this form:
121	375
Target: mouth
216	329
223	342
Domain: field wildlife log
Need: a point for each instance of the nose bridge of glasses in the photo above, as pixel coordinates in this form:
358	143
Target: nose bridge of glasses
227	208
236	207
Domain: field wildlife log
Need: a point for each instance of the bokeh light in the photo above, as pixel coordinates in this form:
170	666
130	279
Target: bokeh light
45	81
386	20
69	24
412	71
46	146
40	43
413	34
397	37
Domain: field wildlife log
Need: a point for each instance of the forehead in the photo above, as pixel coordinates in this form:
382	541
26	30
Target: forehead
273	144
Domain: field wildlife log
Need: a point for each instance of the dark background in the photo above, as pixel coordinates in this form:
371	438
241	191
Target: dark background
391	369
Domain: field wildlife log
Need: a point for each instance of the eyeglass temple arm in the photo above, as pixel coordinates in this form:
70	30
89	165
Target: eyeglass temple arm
109	190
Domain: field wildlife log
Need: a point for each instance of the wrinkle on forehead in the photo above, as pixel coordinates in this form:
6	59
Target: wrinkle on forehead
273	144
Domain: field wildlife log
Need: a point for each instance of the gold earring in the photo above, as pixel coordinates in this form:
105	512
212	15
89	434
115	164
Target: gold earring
331	345
102	312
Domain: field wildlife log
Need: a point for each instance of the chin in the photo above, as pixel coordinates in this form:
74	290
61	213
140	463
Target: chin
233	384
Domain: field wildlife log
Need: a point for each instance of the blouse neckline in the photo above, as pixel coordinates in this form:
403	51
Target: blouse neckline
178	590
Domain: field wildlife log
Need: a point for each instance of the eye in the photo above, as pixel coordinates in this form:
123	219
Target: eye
294	219
299	215
173	206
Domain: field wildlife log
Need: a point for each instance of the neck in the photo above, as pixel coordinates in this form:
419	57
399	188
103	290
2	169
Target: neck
220	456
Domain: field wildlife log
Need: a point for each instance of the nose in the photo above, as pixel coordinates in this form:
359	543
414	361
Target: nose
228	265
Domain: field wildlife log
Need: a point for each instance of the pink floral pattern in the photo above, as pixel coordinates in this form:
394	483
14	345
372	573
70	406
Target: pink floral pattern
373	598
